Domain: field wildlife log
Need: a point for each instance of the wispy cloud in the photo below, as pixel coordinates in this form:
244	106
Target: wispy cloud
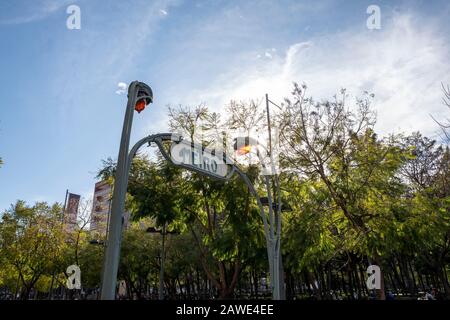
403	65
121	88
113	60
34	11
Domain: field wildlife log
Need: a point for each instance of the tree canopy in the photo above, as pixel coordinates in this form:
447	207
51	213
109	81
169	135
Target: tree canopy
354	199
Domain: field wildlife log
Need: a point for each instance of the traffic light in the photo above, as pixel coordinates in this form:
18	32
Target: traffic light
242	148
140	105
143	95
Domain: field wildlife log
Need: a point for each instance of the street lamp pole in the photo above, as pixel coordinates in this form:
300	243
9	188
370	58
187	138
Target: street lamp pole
273	235
279	292
269	226
163	260
139	95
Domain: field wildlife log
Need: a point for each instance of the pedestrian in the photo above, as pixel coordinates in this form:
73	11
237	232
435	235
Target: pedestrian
429	295
390	296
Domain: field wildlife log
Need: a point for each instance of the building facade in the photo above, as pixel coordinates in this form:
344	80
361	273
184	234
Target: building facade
71	212
101	207
101	210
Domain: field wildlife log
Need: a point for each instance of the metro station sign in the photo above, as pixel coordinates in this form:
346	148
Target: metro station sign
195	157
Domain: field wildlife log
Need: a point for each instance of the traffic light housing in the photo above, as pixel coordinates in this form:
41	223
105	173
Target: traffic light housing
143	95
242	148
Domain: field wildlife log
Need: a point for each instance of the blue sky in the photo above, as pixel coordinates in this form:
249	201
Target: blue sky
60	113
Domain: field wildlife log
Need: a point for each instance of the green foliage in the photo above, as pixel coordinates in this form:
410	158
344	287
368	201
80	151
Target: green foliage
31	244
355	199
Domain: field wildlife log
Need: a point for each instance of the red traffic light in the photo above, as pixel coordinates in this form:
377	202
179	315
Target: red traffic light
244	150
140	105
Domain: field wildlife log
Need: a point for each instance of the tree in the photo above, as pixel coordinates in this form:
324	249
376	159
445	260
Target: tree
138	260
355	199
445	125
32	243
210	211
80	235
90	259
330	142
214	211
428	173
421	166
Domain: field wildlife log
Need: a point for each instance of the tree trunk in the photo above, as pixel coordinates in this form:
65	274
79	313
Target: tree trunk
414	286
443	279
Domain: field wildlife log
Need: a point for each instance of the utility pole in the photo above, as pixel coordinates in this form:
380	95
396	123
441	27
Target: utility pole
278	274
139	95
